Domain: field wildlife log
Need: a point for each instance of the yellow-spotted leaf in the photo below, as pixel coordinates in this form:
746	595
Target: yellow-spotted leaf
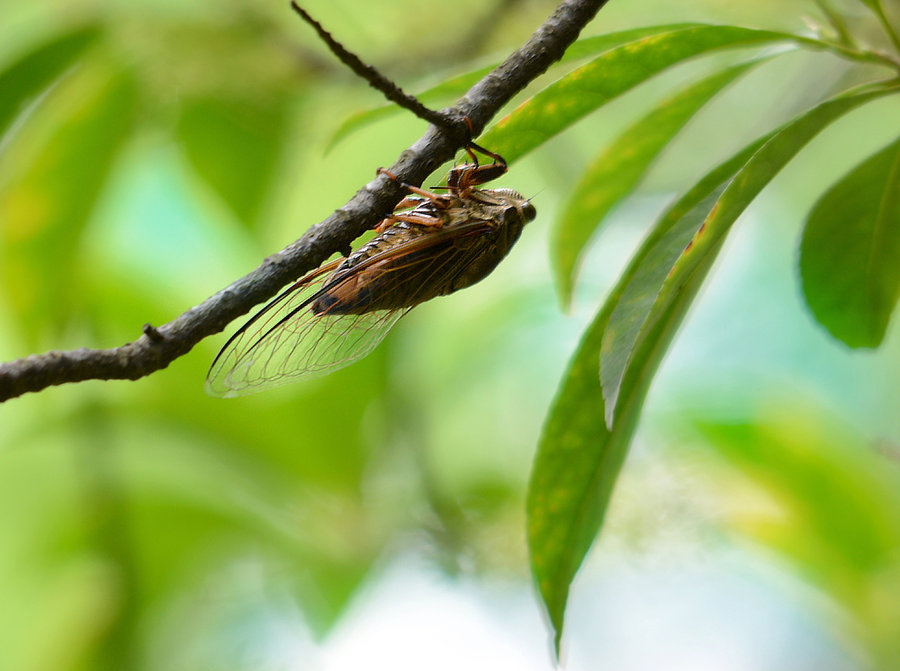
619	167
579	457
594	84
672	263
587	432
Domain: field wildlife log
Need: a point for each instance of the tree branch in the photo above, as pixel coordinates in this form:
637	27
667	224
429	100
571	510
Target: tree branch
158	347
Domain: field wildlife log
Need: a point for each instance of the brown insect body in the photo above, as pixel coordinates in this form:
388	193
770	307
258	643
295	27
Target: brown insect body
393	283
433	244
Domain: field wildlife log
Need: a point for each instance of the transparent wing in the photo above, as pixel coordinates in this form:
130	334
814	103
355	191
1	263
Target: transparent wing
287	339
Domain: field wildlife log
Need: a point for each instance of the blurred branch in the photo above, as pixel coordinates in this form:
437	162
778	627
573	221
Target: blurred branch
886	24
476	35
463	46
157	348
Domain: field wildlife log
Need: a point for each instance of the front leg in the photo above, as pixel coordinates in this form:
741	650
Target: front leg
441	201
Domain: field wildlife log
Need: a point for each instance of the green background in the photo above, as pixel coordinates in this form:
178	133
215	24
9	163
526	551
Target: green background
376	516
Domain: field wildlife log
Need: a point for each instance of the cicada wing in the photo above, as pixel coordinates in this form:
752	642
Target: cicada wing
287	339
304	345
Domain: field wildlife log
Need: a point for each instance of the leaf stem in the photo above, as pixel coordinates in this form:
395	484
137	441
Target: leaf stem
851	53
843	34
878	10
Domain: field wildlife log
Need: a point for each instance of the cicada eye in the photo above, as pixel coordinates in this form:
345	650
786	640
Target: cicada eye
529	211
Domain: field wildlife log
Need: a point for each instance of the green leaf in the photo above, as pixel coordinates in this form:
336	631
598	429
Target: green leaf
23	81
580	453
850	251
596	83
458	85
678	256
579	457
241	169
616	171
61	162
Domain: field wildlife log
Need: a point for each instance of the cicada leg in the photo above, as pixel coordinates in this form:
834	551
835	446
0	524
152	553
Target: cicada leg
434	197
464	178
439	200
411	218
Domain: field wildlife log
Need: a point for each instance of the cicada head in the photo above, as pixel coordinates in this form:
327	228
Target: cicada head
516	207
503	207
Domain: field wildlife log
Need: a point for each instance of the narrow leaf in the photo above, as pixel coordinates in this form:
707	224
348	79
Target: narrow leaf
596	83
458	85
240	170
616	171
580	453
677	258
850	251
28	77
579	457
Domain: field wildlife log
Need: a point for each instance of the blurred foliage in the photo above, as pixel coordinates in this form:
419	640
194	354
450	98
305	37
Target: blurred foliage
150	154
817	494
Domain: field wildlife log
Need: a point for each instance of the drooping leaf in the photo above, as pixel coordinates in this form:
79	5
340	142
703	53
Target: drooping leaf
23	81
239	170
616	171
49	186
669	266
579	457
594	84
581	452
850	251
456	86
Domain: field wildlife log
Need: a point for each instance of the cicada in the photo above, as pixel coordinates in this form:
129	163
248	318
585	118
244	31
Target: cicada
434	243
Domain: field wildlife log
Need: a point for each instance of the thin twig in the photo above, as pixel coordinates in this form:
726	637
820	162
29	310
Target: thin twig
378	81
365	209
